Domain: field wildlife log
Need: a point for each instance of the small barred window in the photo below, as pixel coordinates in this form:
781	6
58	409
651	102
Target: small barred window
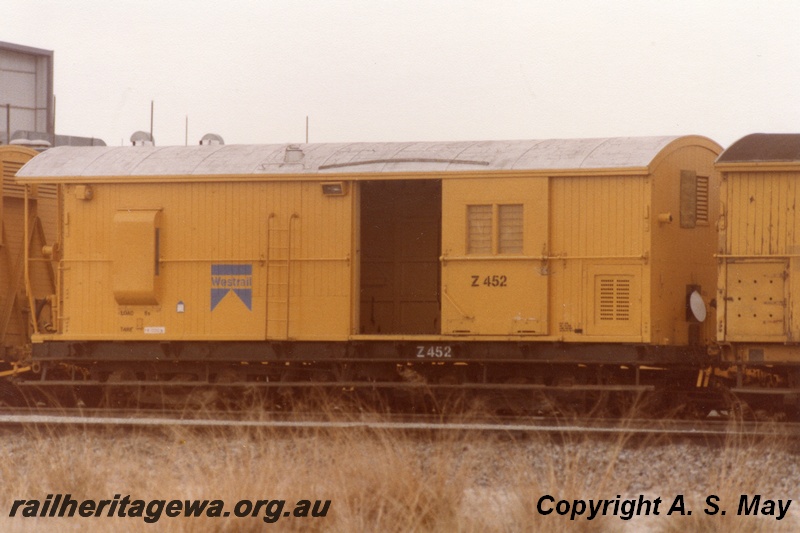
494	229
479	229
509	220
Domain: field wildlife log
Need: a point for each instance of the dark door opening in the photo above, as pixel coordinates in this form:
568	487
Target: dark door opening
401	225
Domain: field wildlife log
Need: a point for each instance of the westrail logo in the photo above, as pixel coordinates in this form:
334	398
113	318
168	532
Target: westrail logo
237	279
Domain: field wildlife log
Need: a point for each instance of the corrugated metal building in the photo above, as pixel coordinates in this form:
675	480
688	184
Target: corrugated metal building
26	90
27	103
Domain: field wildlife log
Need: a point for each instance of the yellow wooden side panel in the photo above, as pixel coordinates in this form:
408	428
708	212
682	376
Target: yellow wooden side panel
319	267
761	213
494	235
211	248
91	244
237	261
598	217
598	232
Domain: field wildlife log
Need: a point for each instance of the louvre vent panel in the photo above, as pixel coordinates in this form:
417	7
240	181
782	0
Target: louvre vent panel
702	199
14	190
48	190
11	189
615	299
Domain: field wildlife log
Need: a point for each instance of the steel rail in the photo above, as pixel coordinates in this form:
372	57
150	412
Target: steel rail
691	429
419	385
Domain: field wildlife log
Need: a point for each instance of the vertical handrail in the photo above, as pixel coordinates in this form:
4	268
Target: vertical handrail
269	271
289	273
57	303
15	272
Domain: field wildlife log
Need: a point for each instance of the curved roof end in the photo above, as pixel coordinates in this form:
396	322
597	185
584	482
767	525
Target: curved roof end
763	147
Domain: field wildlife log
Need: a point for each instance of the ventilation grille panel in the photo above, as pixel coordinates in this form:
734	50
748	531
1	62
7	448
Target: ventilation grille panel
614	295
702	200
10	188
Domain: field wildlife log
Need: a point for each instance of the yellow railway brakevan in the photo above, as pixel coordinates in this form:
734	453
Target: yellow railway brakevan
494	267
597	240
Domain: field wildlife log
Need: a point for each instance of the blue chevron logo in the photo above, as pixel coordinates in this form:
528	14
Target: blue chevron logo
236	279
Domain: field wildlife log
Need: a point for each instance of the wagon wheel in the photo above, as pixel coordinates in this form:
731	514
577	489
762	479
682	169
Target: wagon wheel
10	396
121	396
737	409
233	393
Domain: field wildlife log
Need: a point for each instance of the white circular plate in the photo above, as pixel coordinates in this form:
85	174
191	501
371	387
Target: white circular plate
697	306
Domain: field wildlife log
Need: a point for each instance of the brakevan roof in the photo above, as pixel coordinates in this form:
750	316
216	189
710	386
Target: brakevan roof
349	158
763	147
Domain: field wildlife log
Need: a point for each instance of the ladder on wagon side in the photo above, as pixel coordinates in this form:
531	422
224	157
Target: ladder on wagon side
279	275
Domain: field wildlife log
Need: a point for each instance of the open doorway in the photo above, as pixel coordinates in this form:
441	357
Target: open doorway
401	225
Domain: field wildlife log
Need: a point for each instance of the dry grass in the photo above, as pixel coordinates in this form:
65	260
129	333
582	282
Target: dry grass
384	481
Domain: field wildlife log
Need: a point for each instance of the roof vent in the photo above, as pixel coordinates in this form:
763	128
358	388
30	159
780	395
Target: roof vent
211	139
293	154
142	138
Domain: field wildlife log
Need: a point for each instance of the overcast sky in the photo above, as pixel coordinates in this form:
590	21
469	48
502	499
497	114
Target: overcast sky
413	70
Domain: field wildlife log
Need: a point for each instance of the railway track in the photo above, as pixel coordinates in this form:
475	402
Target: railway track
104	418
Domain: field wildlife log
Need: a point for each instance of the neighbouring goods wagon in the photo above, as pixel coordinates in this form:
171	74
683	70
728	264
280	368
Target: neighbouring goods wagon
759	248
465	250
17	234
